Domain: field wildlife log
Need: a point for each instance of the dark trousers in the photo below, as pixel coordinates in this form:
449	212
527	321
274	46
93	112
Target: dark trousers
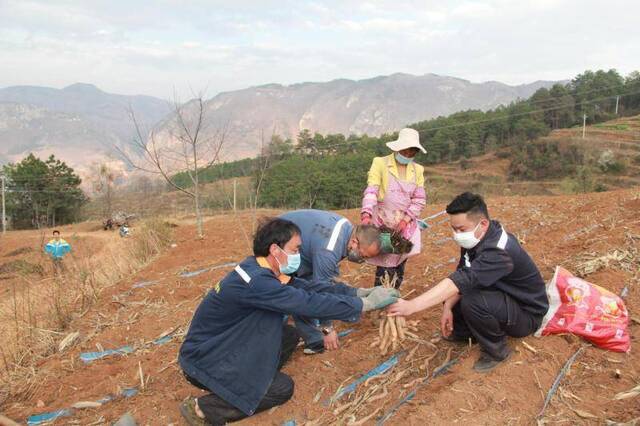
398	270
218	412
491	316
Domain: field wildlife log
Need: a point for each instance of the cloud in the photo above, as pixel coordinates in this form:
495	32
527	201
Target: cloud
474	10
151	47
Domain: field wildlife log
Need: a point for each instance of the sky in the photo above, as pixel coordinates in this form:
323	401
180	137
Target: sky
158	47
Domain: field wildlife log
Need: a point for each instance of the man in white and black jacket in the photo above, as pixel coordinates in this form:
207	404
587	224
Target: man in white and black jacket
495	292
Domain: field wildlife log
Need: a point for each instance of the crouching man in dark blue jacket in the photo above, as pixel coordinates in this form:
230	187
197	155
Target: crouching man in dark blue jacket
237	341
496	291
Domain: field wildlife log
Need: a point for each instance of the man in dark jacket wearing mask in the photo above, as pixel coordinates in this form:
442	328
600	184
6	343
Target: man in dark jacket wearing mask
237	341
495	292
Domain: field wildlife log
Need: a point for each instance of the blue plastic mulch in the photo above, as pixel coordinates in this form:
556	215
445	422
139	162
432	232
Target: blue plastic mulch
163	340
49	417
437	372
193	273
346	332
380	369
38	419
202	271
224	265
145	283
92	356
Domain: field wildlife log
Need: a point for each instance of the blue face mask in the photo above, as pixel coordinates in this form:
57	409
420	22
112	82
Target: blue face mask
402	159
293	263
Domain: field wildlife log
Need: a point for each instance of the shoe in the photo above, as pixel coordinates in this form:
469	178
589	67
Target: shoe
188	411
487	363
314	348
452	338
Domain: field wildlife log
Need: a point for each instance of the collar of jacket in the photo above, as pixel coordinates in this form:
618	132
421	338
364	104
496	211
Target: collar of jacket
392	165
493	233
264	263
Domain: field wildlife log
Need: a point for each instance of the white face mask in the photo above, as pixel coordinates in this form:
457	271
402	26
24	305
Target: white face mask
467	240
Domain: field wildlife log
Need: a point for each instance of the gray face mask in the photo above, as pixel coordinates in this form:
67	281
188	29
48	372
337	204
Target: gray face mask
354	256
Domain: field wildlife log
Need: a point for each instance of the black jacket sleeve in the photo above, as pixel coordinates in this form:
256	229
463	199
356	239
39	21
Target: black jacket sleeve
330	287
268	293
491	265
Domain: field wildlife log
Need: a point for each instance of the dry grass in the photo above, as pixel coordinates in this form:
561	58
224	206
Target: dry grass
39	310
20	266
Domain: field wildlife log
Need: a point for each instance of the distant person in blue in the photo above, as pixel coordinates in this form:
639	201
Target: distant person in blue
237	341
57	248
327	239
124	230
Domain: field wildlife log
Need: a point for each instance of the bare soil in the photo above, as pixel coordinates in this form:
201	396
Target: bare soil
555	230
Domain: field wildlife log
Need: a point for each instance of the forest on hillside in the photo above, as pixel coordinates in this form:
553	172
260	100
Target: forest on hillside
329	171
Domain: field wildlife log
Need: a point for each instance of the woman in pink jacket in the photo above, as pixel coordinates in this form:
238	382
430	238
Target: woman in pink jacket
394	198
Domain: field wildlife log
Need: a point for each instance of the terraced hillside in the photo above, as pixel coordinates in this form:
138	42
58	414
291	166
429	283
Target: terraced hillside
616	141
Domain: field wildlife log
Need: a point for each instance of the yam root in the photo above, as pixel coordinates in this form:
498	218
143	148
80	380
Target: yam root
392	330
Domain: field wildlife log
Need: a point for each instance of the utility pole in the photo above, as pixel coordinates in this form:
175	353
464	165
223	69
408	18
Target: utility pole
584	125
235	185
4	216
617	101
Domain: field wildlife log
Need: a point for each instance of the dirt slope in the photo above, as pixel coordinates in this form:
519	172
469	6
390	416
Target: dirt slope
561	230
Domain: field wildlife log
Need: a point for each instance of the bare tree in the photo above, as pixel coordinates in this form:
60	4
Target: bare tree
262	166
258	171
104	178
192	147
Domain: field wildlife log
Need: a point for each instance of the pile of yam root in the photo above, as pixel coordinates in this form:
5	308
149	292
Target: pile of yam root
393	330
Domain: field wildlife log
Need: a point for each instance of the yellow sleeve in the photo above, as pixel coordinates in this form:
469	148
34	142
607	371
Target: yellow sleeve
375	172
420	173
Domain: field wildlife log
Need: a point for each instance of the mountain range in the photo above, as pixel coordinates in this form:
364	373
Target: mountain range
81	124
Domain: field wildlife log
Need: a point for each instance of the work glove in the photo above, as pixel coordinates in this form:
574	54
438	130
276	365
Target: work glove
364	292
365	218
379	298
401	225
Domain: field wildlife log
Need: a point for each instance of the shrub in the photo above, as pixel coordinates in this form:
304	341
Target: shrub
605	159
600	187
608	163
545	159
616	168
620	126
581	182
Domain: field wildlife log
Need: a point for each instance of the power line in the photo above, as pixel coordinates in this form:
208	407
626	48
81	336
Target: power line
527	112
28	191
569	93
22	176
501	118
507	115
524	102
484	121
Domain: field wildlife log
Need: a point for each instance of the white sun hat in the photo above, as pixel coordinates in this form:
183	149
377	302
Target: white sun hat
407	138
